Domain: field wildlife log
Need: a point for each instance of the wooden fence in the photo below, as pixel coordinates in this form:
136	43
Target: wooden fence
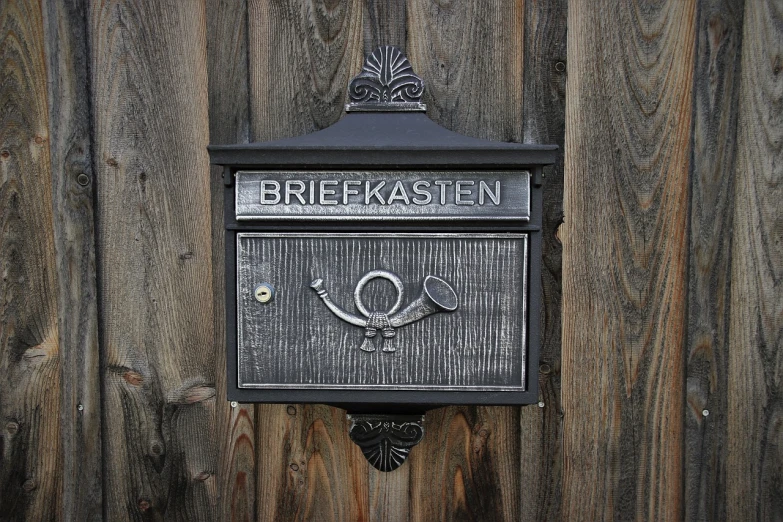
662	364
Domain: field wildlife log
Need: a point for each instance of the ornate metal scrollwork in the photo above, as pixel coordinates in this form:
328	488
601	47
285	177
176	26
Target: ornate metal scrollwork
386	440
386	83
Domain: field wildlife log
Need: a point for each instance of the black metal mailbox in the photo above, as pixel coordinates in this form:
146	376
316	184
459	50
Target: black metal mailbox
384	264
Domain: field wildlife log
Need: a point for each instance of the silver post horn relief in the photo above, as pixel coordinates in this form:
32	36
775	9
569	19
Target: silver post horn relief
436	295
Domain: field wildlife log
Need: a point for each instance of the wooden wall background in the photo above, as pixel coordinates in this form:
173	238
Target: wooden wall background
662	377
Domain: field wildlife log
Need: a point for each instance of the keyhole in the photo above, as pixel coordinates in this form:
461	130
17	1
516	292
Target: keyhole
264	292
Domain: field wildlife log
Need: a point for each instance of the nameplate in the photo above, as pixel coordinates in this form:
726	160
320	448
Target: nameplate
383	195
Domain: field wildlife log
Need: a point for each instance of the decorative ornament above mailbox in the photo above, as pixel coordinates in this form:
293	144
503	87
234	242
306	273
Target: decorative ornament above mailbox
384	265
386	83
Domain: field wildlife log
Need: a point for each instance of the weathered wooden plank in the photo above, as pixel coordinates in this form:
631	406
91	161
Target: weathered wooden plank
30	456
754	462
470	56
308	469
471	59
390	495
716	94
541	458
229	122
70	148
628	128
149	74
301	57
384	24
467	466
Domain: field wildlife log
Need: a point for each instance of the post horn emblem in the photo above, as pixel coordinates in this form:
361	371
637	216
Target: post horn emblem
436	295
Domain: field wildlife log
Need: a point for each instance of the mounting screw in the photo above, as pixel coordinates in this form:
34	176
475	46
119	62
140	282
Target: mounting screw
234	404
540	404
83	179
706	413
80	407
264	293
560	67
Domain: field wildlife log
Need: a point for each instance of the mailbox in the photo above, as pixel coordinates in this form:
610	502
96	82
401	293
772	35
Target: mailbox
384	264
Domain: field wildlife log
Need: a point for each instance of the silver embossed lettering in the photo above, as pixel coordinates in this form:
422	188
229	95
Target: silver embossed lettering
463	192
327	192
291	191
427	196
274	192
443	185
484	189
368	194
349	191
399	193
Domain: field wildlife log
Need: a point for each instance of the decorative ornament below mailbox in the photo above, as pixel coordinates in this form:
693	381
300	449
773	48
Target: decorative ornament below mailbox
386	440
436	237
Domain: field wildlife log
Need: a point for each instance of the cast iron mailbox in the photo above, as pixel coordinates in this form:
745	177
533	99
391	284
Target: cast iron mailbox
385	265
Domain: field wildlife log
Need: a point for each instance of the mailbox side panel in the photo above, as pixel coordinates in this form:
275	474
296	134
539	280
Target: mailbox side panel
231	301
534	309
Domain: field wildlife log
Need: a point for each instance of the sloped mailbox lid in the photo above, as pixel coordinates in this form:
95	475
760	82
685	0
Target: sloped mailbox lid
388	140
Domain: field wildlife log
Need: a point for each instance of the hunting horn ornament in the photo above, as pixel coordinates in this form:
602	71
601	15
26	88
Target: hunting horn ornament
436	295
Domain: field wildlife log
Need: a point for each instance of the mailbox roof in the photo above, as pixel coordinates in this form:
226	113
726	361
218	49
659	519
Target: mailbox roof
383	139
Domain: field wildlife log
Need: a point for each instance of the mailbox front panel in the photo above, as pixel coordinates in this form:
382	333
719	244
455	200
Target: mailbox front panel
446	312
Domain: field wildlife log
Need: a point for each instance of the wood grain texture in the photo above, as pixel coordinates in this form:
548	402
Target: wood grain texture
390	495
301	57
74	240
30	449
716	95
541	457
229	122
467	466
308	469
755	363
149	73
471	58
384	24
627	148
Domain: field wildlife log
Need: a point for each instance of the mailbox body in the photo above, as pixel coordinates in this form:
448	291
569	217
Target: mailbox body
453	225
